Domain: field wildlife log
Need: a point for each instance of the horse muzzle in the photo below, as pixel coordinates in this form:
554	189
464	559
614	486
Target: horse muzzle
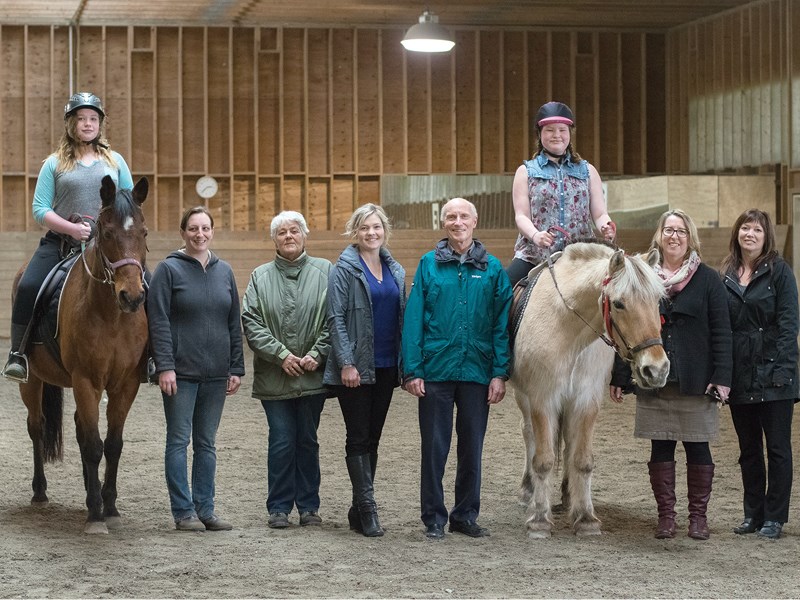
650	368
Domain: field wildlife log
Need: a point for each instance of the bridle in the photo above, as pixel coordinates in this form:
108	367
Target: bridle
610	326
109	268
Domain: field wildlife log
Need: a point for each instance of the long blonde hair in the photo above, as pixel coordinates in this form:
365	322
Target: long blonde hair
67	151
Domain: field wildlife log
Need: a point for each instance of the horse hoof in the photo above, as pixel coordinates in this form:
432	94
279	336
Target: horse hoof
40	503
559	509
95	527
539	534
114	522
587	528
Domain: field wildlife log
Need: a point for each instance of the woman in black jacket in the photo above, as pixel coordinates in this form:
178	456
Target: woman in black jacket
762	296
696	334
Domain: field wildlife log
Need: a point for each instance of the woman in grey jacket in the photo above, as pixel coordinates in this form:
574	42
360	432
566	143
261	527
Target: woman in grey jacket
285	325
196	339
366	298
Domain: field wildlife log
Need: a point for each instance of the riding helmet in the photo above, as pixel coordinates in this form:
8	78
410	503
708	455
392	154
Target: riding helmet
84	100
554	112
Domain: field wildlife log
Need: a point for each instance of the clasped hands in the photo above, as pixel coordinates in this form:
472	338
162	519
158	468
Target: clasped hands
294	366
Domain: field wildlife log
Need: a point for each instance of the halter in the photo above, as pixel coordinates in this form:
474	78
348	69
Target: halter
109	268
610	325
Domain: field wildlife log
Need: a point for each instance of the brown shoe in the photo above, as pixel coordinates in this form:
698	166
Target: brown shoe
214	523
190	524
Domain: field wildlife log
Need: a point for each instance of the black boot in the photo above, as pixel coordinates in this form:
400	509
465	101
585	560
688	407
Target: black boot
361	477
16	367
353	517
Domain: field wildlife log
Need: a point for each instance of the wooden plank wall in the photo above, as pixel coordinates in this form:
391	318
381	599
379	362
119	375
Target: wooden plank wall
311	118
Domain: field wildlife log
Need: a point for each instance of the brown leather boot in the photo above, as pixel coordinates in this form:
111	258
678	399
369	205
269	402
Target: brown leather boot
662	480
698	480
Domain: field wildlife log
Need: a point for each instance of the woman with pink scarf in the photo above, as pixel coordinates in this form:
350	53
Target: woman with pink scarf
696	334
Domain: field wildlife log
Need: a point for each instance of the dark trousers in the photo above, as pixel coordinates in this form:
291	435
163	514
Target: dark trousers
518	269
697	453
767	489
46	256
436	431
364	409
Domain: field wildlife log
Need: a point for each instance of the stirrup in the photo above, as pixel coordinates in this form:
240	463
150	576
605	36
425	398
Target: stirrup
15	359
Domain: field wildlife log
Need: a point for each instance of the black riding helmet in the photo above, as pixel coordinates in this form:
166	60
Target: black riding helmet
554	112
84	100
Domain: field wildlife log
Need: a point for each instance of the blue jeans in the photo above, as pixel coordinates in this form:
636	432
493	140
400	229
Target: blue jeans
194	411
293	456
436	430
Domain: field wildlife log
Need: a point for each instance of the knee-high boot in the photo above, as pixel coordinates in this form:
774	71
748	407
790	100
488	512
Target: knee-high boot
698	481
360	473
352	514
662	480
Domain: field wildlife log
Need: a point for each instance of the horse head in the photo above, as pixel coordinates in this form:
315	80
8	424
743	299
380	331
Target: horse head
121	241
630	301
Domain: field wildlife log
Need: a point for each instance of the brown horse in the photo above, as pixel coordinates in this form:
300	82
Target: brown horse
103	337
562	368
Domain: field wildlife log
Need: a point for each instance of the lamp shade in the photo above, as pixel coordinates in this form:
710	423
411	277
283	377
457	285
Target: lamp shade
428	35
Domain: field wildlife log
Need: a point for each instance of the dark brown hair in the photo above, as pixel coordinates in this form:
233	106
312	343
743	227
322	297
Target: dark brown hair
194	211
735	261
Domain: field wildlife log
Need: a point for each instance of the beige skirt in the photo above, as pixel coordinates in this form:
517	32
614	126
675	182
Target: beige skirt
667	415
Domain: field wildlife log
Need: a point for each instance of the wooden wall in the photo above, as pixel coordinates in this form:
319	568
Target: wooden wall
311	118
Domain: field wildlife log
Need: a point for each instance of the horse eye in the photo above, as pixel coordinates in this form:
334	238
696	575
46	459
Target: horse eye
618	304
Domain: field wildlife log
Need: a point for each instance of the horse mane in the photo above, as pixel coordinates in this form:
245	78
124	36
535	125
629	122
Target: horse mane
123	205
637	280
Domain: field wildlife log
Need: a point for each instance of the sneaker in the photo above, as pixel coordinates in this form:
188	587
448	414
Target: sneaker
190	524
214	523
16	368
278	520
310	517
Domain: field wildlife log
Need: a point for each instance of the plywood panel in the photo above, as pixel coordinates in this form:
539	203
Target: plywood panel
294	189
515	108
12	85
491	112
269	113
194	100
90	76
267	203
394	104
561	59
441	132
38	94
117	92
242	208
655	102
369	190
343	80
540	81
168	118
318	202
59	83
586	103
418	107
166	195
369	101
219	100
244	85
632	98
611	118
293	100
466	84
319	104
15	205
343	202
219	205
142	106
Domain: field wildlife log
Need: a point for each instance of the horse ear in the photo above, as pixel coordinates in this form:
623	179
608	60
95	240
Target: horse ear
140	190
653	257
616	262
108	191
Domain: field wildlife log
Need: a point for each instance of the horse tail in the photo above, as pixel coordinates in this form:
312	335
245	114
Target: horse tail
53	412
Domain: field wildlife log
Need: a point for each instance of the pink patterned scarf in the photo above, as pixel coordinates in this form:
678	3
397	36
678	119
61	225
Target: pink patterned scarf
676	282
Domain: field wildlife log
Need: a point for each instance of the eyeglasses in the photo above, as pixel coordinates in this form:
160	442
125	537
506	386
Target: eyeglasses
670	231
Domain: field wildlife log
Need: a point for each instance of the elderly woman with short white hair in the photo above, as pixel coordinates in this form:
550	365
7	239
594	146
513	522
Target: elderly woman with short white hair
284	318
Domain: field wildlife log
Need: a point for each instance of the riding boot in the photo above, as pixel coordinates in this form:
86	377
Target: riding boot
698	480
361	477
16	367
352	514
662	480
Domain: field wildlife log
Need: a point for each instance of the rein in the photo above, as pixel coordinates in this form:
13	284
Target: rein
610	325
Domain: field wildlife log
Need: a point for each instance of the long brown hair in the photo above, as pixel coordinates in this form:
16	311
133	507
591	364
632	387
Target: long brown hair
67	151
735	261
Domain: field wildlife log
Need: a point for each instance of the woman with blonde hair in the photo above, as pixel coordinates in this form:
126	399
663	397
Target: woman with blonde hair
366	298
696	335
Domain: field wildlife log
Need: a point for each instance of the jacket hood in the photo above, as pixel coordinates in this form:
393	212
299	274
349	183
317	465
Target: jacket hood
476	255
181	255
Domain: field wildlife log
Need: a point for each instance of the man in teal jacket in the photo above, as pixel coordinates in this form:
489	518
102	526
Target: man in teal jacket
456	354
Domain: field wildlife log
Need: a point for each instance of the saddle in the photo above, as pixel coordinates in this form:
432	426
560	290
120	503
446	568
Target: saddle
521	295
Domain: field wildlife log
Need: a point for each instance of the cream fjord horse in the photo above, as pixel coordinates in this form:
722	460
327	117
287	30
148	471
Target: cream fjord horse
593	297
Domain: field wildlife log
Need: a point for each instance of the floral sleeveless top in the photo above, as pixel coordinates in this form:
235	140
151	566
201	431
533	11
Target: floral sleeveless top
559	195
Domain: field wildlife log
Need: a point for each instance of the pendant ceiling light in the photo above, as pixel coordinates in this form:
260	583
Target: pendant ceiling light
428	35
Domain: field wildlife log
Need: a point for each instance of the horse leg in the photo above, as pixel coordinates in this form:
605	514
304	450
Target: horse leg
540	521
87	400
526	486
31	393
119	404
581	465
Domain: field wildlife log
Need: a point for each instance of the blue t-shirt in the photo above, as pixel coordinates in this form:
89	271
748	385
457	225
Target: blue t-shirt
385	315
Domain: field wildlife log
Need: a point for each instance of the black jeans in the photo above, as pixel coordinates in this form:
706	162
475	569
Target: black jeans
364	409
518	269
767	488
46	256
697	453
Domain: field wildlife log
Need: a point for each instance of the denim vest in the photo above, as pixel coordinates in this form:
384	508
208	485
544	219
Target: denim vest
559	195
